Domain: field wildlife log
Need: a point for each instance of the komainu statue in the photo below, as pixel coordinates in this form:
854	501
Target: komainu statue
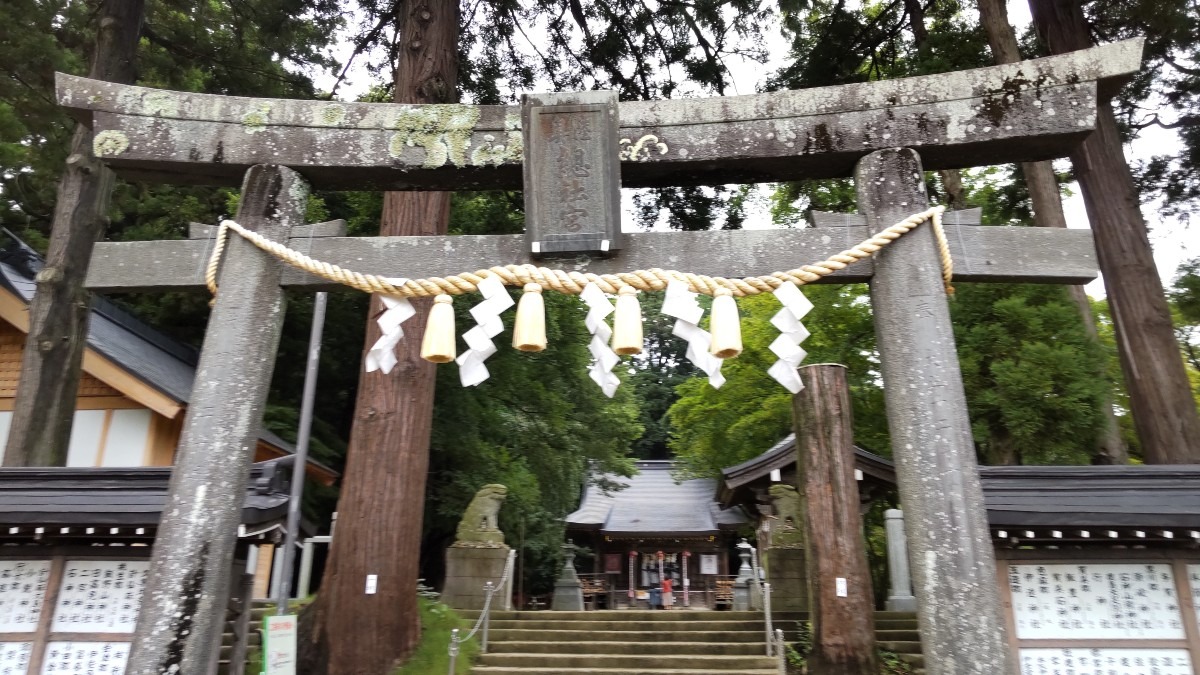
478	527
787	530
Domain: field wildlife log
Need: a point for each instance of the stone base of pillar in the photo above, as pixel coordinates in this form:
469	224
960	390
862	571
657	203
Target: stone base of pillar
789	579
568	596
468	570
901	604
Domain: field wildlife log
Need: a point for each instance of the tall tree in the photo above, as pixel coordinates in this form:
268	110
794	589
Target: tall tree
1042	185
58	314
383	489
1164	412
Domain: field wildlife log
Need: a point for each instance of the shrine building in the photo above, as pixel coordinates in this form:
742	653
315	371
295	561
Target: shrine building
75	541
1098	567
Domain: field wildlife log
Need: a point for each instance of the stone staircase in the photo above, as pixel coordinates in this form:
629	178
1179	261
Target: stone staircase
642	642
894	631
258	610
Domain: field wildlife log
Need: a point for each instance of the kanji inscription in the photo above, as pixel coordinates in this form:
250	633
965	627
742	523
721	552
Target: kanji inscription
22	590
1105	662
1093	602
93	658
14	657
100	596
572	194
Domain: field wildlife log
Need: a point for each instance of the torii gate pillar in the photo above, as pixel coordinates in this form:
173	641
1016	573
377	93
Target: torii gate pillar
953	564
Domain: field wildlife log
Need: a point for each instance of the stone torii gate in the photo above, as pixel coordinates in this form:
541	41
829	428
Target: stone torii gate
884	133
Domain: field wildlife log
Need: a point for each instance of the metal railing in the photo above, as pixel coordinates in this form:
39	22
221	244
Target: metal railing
764	591
481	623
780	652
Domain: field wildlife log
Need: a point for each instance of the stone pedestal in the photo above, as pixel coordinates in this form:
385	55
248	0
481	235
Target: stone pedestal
900	598
789	579
741	585
468	569
568	592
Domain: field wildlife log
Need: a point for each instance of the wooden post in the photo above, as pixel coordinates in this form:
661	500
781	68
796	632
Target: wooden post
839	581
953	564
184	605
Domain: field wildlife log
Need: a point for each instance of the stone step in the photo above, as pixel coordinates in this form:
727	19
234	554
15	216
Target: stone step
901	647
656	648
524	634
554	670
628	615
632	626
898	636
895	624
628	662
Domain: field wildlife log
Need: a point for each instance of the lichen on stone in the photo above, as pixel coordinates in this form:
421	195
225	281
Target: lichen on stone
160	104
444	131
330	115
256	119
109	142
495	154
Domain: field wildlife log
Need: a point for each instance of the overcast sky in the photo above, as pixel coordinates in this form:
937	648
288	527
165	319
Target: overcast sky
1173	242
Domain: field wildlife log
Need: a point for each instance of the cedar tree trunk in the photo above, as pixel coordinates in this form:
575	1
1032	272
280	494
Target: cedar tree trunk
1164	411
956	196
383	490
58	315
1048	212
843	620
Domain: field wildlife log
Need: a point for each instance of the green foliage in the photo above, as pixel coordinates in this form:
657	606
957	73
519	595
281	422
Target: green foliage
1030	373
797	653
536	426
1185	307
654	377
716	428
432	655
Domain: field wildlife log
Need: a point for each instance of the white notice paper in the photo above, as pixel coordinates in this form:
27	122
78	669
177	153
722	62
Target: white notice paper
279	654
842	590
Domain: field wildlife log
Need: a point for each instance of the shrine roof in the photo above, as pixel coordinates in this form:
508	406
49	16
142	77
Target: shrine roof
737	480
74	497
160	361
652	501
164	363
1092	496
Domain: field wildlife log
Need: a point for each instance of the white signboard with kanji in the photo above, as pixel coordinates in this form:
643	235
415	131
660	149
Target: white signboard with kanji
93	658
100	596
14	657
279	648
22	588
1105	662
1095	602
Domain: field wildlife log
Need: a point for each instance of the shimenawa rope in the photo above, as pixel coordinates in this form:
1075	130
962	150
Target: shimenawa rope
573	282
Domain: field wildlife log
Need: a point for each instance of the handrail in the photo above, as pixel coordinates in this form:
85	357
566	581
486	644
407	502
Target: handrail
484	618
764	590
781	651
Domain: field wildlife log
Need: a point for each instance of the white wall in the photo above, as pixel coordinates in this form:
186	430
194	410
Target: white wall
122	434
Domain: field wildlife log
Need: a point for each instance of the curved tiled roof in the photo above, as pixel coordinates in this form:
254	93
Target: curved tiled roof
652	501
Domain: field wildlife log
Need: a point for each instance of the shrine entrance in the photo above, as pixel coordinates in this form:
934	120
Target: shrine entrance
576	151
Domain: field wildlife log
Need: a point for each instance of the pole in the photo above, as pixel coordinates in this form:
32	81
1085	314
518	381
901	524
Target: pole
839	581
302	438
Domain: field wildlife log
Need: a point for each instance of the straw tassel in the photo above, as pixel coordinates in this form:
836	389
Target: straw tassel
438	344
627	323
725	325
529	330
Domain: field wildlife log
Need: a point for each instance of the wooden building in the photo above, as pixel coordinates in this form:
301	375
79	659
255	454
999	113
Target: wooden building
135	385
75	541
653	527
74	552
1098	566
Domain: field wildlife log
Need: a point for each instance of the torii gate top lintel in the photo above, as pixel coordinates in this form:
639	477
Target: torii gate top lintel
1026	111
